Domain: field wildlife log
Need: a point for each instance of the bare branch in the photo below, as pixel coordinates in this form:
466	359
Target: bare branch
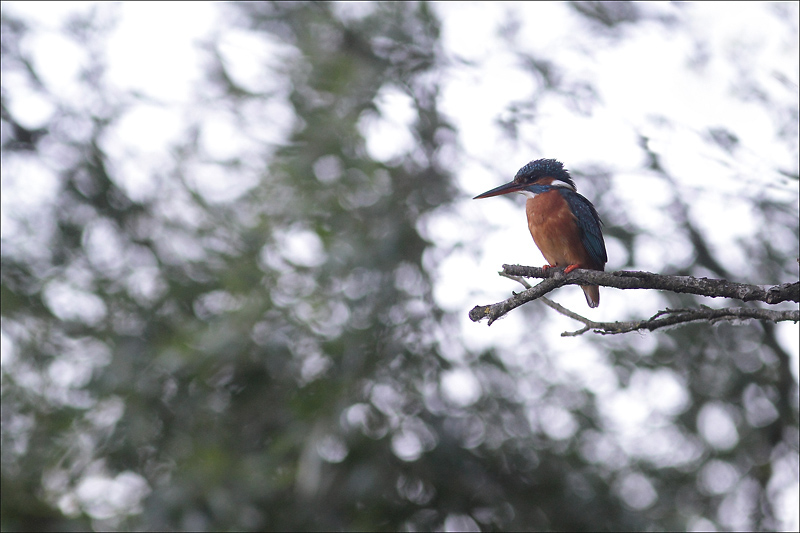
714	288
671	317
627	279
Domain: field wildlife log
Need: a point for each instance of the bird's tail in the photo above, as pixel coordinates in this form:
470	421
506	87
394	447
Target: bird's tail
592	293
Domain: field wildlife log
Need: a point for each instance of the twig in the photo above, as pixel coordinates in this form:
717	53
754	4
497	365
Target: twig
555	278
627	279
558	307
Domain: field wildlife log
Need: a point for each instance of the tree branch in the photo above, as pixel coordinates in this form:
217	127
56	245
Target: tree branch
713	288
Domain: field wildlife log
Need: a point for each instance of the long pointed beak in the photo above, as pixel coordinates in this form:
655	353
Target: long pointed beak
503	189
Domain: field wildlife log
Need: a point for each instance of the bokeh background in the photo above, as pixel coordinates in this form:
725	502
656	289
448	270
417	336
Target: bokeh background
238	251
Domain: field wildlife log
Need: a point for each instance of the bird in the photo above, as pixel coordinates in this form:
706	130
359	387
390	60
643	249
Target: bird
564	225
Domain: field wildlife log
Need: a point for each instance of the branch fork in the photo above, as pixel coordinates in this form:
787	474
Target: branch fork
624	279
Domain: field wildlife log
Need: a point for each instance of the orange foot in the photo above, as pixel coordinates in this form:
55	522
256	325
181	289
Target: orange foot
570	268
545	267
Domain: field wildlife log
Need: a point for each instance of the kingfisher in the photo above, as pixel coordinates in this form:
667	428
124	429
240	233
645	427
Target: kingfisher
564	225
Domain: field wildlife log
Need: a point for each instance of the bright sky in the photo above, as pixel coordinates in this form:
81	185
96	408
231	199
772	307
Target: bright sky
154	50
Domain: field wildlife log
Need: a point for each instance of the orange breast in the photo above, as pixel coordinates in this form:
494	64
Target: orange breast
555	230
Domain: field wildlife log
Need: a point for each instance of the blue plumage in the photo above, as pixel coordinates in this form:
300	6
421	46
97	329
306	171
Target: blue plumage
589	224
541	168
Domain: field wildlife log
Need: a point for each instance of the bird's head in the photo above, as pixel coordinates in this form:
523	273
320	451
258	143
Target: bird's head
536	177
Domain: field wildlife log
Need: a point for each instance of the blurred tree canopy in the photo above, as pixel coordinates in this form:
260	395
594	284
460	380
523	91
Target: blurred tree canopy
275	360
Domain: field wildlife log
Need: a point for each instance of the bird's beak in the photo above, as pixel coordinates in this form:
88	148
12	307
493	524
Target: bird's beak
503	189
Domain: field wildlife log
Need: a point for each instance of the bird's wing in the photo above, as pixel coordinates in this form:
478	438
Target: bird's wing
589	224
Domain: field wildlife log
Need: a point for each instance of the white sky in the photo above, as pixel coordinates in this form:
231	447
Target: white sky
154	50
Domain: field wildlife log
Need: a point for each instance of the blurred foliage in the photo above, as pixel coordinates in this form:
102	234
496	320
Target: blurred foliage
274	362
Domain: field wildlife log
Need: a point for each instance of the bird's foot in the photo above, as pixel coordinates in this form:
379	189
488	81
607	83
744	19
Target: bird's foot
570	268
